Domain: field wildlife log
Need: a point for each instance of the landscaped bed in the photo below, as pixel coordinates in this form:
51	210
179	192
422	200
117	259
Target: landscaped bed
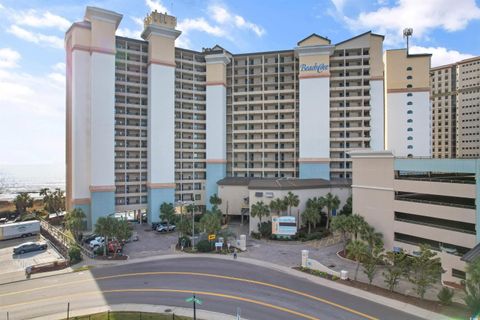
456	310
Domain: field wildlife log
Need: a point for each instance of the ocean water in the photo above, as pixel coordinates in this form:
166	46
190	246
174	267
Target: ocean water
30	178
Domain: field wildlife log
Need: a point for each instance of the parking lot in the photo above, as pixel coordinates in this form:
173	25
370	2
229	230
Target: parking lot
150	242
17	263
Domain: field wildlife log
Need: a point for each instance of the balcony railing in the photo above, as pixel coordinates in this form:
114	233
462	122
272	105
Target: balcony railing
435	225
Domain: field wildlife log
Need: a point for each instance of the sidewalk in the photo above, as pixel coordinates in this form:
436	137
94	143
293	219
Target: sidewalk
178	311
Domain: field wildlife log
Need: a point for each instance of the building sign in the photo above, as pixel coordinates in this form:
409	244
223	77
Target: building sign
318	67
284	226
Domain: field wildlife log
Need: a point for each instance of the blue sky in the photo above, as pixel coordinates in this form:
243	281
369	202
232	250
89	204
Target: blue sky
32	58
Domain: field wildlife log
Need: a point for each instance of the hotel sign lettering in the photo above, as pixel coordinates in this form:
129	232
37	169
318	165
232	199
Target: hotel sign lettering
318	67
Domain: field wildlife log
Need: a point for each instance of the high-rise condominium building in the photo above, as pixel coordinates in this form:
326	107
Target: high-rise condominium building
148	122
407	103
455	92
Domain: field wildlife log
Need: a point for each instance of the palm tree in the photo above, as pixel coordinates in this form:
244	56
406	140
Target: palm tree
331	202
356	250
342	224
260	210
372	237
22	202
210	223
105	227
292	201
357	224
215	200
278	205
311	216
74	221
167	213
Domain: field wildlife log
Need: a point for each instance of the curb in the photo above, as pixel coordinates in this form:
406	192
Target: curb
178	311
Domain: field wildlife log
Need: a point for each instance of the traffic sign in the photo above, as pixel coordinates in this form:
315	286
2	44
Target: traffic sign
191	299
211	237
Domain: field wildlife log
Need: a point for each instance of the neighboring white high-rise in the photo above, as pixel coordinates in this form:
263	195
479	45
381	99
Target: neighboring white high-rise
149	122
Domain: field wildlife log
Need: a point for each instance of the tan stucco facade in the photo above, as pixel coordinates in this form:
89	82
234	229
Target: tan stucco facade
374	189
396	63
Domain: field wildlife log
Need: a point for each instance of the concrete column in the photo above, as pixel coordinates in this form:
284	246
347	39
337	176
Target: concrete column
161	34
314	120
216	122
104	23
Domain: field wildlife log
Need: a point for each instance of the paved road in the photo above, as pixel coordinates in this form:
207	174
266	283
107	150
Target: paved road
223	285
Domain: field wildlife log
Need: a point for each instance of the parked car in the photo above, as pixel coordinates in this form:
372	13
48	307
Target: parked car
29	247
3	220
163	227
155	225
134	237
97	242
88	238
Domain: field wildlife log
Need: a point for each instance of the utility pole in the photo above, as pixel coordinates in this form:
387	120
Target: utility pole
193	237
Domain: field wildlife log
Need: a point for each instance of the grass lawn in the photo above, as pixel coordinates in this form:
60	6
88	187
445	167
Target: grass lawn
121	315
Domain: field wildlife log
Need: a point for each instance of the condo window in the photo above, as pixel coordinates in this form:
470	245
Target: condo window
409	68
409	77
409	112
409	86
410	138
410	120
409	103
409	146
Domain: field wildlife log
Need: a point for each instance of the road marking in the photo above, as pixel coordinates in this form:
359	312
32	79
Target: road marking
204	293
204	275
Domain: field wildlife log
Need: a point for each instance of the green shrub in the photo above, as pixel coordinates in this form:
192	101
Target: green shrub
445	296
186	241
204	246
75	255
265	229
99	251
256	235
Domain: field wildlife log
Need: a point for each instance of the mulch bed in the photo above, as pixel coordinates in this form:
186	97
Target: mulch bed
111	257
455	310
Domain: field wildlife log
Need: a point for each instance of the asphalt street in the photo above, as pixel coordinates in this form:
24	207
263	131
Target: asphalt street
223	285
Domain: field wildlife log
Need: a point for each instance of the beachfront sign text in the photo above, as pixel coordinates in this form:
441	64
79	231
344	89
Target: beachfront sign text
315	67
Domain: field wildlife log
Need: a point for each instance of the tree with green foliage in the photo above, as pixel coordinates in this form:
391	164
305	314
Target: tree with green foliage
105	227
167	213
347	207
123	230
184	225
215	200
53	201
356	250
211	222
356	223
331	202
311	217
371	260
278	205
342	224
22	202
74	254
426	270
472	287
371	237
397	265
291	200
74	221
260	210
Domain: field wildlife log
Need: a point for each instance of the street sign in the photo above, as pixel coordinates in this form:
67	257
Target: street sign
211	237
192	299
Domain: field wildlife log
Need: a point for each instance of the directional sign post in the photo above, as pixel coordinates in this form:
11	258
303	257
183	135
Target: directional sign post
195	301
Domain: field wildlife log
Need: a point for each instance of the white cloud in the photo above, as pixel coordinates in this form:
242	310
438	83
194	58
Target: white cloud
8	58
59	67
423	16
132	33
36	19
339	4
440	55
32	109
35	37
200	24
224	17
156	5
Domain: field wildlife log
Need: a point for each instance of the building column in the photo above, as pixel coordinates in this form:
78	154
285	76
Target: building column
314	119
161	34
216	122
102	111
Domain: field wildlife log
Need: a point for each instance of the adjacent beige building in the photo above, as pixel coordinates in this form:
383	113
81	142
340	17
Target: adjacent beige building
415	201
455	90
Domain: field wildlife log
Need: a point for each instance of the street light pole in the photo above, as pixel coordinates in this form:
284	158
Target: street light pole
193	231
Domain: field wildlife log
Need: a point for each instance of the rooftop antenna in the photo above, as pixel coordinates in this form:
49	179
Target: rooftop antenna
407	33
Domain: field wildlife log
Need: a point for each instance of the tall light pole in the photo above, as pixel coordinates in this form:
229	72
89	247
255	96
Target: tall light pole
193	228
407	33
